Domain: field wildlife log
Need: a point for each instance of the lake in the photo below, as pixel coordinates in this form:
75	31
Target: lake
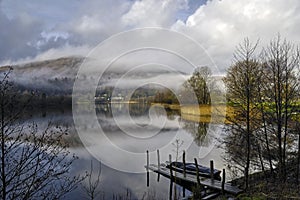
127	132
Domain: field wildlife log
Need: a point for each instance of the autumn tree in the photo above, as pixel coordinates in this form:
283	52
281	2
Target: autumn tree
165	96
198	84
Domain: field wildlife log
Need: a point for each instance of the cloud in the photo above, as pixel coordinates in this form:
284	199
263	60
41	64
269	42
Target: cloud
25	33
96	21
171	81
221	25
16	34
151	13
51	53
37	28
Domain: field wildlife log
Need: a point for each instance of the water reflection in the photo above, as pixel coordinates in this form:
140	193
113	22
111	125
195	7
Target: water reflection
198	130
130	127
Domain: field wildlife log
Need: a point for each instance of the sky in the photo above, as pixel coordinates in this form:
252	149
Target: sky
37	30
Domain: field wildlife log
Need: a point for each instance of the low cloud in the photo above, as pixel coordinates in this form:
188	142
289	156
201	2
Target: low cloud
64	51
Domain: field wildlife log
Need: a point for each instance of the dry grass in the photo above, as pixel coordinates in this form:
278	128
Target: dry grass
207	113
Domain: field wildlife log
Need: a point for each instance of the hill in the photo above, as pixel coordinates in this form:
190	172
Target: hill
51	76
56	77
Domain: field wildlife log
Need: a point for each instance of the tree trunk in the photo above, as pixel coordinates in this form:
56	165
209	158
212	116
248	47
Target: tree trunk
286	106
261	159
3	176
262	110
298	167
248	127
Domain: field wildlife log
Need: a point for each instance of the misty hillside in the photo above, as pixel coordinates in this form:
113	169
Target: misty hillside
51	76
56	76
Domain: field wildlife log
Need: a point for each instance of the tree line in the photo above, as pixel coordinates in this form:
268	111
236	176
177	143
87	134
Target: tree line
264	89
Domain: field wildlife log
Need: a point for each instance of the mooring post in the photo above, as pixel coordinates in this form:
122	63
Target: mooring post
147	178
171	190
212	170
171	171
223	181
183	160
158	160
147	161
198	180
197	172
147	168
184	170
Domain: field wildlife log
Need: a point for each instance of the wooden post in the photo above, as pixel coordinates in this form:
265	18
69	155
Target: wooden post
223	181
198	181
171	172
212	170
158	165
197	171
183	160
184	170
147	161
147	179
158	160
171	190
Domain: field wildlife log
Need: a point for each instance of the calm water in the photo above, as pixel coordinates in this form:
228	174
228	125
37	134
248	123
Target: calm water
133	129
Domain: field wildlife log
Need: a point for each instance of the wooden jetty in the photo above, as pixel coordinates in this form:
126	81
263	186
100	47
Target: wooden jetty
218	187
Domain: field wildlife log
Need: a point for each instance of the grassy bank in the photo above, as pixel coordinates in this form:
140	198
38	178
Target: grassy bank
202	113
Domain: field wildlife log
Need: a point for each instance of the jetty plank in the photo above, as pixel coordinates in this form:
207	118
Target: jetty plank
192	179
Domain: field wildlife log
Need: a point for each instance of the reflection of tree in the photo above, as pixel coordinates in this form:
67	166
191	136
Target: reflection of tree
138	109
108	110
104	109
198	130
172	114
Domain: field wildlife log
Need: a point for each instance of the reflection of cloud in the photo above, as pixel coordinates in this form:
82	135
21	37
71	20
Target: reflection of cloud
123	182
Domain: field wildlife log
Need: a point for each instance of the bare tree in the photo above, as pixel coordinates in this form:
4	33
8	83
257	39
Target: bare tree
281	60
242	87
265	95
91	187
33	165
